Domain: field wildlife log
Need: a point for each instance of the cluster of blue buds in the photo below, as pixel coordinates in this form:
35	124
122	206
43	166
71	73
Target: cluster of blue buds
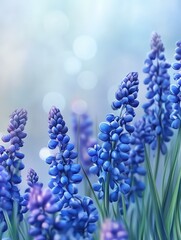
63	171
32	180
159	108
43	219
83	132
65	174
175	89
136	158
79	218
5	197
113	230
11	158
110	159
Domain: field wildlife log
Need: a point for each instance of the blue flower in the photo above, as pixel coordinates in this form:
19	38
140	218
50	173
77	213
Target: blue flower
83	131
6	203
32	180
175	89
110	158
63	171
43	208
12	157
113	230
136	158
76	212
158	109
79	218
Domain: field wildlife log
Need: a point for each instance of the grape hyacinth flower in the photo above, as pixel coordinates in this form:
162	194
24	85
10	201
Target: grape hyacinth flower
5	197
136	158
83	131
63	171
113	230
110	158
175	89
43	208
11	158
65	174
32	180
159	108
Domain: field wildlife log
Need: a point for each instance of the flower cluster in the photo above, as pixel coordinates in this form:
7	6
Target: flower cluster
175	96
113	230
11	160
5	197
158	109
65	175
83	131
43	207
110	159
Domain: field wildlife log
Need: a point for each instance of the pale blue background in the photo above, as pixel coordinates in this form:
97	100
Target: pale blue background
40	53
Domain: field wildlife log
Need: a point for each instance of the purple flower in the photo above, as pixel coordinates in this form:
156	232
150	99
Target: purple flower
76	212
12	157
113	231
158	109
63	170
6	203
83	131
32	180
110	159
43	207
175	90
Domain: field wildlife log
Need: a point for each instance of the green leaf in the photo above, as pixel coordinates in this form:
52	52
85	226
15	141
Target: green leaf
156	201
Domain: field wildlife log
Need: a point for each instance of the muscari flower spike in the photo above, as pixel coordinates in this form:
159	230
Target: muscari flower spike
32	180
159	108
5	197
65	175
110	158
11	157
83	132
113	230
136	159
175	90
43	208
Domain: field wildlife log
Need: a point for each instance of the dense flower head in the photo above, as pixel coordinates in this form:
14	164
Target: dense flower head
127	92
63	171
136	158
83	133
32	177
6	203
11	158
32	180
175	89
77	214
113	230
79	218
158	108
43	207
110	158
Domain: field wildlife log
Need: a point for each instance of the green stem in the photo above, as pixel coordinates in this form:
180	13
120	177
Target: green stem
157	160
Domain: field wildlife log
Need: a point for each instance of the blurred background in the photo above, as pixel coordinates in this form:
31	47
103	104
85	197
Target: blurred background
73	54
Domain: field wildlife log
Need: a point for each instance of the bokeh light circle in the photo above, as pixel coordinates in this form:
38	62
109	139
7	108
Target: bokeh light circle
79	106
85	47
72	65
87	80
53	99
44	153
